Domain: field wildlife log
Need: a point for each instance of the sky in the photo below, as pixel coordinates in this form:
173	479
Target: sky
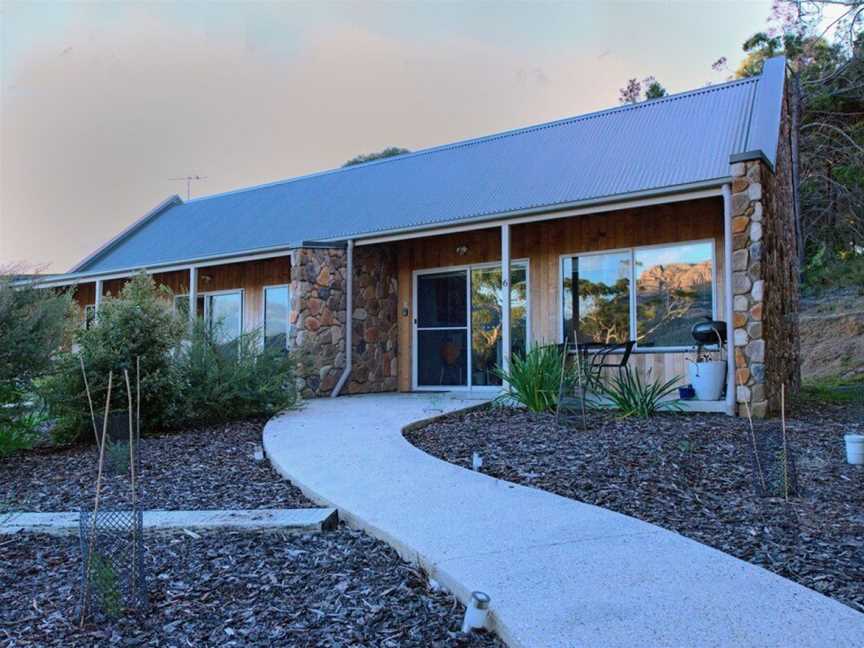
102	104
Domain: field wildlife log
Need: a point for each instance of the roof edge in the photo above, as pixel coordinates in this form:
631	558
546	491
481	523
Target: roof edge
764	128
128	231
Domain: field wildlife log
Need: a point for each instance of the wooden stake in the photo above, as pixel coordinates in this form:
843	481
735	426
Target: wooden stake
785	445
96	502
132	468
90	401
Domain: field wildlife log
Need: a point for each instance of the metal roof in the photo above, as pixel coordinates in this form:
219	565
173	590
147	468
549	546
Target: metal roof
674	141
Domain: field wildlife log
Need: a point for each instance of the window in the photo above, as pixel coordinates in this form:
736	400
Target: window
597	297
276	308
652	295
89	315
222	313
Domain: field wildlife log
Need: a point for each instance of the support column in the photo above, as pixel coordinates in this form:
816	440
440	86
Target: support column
193	295
505	302
98	299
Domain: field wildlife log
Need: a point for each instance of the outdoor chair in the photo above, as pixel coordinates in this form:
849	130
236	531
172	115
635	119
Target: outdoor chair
600	359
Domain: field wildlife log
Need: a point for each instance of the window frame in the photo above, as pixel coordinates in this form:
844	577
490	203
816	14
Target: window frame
633	324
264	290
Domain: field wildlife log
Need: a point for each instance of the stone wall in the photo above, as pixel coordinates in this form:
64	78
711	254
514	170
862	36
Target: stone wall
375	333
317	319
764	282
781	272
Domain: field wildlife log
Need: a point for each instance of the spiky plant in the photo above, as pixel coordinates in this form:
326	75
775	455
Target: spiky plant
633	396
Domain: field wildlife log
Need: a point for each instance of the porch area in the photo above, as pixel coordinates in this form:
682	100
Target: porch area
643	274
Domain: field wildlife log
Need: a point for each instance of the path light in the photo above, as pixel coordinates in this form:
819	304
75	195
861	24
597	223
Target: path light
259	453
476	461
476	612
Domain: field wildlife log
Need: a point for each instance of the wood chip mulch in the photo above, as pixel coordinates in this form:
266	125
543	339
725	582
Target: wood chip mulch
328	590
207	468
690	473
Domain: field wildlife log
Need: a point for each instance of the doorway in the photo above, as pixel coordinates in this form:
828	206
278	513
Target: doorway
457	325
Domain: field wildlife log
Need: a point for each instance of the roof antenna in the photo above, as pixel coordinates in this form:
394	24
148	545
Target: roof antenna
189	180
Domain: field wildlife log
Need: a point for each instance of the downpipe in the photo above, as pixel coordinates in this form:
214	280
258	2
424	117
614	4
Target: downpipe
730	315
349	322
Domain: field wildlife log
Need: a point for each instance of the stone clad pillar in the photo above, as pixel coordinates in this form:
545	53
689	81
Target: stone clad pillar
316	332
317	319
748	286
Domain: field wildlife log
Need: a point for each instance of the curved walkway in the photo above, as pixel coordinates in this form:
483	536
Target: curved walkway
560	573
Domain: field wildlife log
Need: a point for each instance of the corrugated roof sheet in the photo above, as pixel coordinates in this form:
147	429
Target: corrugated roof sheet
678	140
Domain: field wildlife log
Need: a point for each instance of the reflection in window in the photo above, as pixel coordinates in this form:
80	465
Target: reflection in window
276	308
673	291
600	310
486	304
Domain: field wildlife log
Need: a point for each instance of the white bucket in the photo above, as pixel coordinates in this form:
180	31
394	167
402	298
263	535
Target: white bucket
708	379
855	449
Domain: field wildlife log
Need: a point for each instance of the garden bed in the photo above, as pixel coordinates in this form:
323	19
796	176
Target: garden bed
207	468
235	589
691	474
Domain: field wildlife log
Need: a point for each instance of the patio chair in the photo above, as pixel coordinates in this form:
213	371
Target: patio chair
601	360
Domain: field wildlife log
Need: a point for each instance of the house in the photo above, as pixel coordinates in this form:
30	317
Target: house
626	224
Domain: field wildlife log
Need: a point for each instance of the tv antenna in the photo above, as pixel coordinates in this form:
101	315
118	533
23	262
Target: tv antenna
189	180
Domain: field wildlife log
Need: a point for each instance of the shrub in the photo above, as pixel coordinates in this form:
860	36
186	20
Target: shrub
33	325
534	379
635	397
139	322
218	382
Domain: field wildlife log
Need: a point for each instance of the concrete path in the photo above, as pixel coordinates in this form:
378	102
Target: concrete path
560	573
298	520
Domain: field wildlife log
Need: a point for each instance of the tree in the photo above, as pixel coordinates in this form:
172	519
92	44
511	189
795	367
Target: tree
33	324
390	151
826	78
633	91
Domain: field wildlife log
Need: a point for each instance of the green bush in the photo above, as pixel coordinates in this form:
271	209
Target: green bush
534	379
33	325
634	397
137	323
217	382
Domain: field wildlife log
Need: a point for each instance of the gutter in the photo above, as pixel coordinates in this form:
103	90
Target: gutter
349	322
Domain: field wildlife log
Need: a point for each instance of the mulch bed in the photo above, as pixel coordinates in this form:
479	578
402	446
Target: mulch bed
207	468
690	473
341	588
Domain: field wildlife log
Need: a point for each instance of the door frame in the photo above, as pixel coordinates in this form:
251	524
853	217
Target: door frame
467	268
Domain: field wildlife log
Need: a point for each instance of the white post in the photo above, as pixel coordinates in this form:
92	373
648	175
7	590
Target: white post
193	295
97	302
505	302
728	301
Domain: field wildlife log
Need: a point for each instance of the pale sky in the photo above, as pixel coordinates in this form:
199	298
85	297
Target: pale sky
103	103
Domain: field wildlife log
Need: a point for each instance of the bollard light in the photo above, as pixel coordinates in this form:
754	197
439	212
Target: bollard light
476	612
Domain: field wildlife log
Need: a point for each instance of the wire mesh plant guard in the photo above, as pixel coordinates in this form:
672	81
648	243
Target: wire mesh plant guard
773	462
112	541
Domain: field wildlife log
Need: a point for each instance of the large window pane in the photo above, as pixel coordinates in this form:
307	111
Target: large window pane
224	314
596	295
673	291
442	299
486	306
276	307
